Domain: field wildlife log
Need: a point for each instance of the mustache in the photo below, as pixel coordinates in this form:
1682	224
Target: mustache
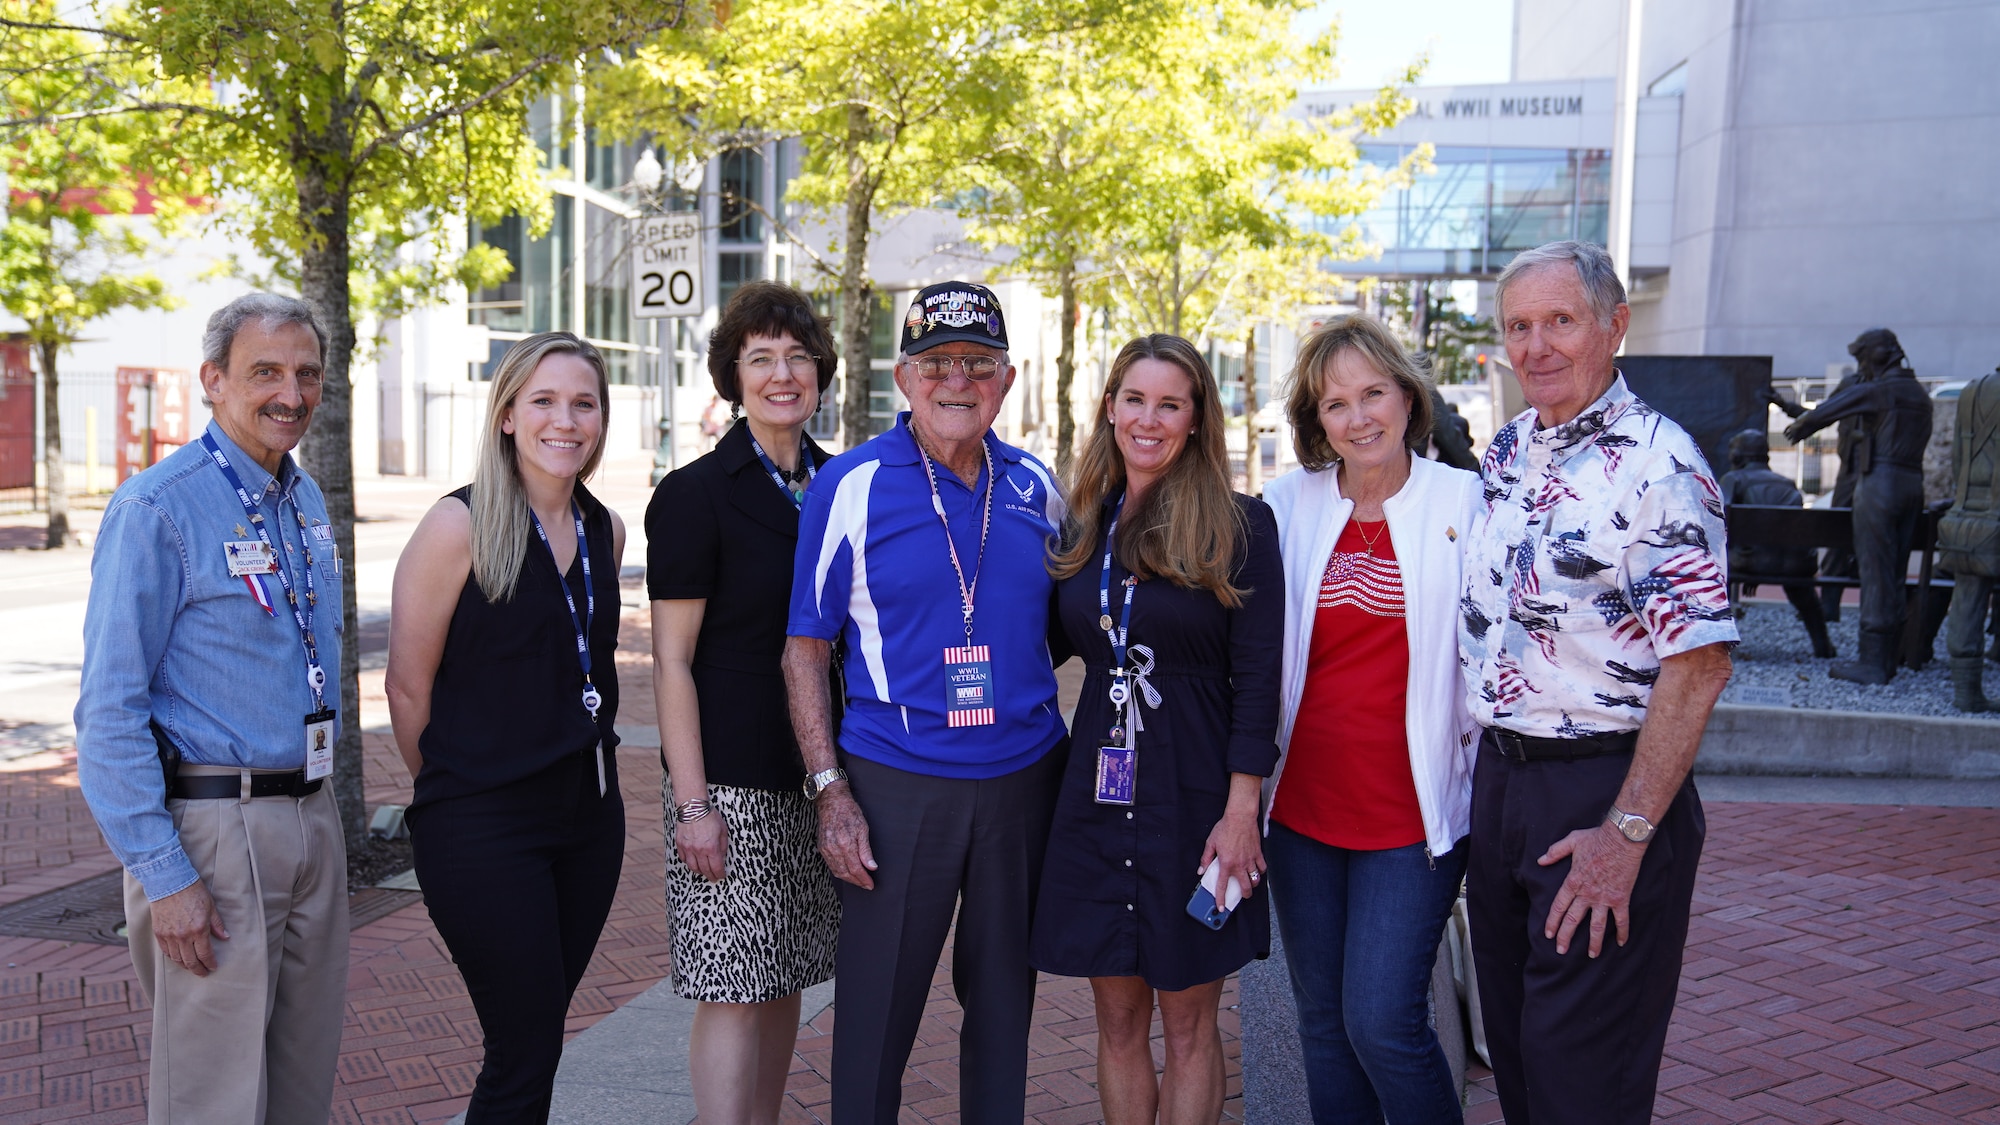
284	415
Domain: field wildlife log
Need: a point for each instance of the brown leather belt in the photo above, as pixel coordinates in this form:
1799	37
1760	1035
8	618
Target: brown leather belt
1529	748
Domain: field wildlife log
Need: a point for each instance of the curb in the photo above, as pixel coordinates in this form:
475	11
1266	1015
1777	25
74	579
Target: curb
1795	742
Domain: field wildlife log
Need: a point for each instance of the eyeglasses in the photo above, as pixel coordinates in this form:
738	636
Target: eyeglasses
798	362
978	368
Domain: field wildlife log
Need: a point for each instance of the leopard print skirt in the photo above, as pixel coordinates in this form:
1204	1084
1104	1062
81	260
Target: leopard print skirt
766	930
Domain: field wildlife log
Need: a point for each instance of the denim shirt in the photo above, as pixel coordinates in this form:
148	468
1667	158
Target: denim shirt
170	636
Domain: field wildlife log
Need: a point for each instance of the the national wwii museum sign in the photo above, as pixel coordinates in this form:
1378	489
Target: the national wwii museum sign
1569	114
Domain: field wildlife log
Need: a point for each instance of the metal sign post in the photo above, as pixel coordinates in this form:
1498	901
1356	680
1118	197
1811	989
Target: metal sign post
667	283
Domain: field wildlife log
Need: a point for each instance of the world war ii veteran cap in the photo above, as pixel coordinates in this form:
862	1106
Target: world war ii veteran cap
954	312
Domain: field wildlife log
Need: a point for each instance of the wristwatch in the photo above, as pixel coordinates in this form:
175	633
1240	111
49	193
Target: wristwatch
817	783
1634	827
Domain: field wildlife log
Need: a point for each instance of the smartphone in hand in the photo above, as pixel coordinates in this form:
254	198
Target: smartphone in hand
1204	907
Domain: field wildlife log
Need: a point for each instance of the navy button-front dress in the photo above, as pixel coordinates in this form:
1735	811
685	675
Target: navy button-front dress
1117	880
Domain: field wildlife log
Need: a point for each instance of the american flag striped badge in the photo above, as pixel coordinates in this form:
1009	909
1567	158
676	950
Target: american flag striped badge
968	680
260	592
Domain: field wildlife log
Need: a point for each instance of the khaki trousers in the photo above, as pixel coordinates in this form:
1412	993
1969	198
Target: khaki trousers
256	1041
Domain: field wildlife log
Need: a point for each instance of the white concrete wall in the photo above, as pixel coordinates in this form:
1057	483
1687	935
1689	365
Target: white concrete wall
1565	39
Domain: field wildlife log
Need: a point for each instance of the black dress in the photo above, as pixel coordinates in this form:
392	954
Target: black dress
1115	888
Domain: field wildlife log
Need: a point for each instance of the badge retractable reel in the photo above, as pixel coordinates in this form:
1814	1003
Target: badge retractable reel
318	724
591	699
1118	759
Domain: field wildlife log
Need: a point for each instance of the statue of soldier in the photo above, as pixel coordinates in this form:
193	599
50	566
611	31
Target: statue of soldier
1969	537
1850	449
1751	481
1889	497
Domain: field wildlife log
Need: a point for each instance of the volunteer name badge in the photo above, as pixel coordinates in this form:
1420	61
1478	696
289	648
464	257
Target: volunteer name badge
968	686
319	745
249	556
1117	775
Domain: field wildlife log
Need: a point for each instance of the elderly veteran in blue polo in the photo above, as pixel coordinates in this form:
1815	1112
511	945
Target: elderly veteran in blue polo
922	552
1595	629
204	736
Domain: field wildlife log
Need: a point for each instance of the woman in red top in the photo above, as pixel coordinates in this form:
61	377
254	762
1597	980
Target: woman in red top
1371	800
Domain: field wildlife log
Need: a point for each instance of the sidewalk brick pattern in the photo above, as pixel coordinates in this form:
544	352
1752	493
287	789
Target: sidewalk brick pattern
1844	965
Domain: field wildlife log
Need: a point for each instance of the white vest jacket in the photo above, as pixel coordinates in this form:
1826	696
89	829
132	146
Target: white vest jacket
1427	518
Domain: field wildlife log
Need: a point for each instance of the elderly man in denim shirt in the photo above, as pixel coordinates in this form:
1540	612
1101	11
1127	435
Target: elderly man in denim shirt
205	733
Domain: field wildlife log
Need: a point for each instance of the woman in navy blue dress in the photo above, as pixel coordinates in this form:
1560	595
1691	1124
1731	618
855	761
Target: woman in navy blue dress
1161	788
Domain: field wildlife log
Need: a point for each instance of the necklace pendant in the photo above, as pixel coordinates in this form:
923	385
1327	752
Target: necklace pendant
1104	622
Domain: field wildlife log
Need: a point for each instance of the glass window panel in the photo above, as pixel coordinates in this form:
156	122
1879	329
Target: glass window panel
882	341
501	306
1534	195
742	191
1445	209
607	308
546	126
734	269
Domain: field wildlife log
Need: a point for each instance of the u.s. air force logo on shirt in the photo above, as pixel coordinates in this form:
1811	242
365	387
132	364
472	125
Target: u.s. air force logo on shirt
1026	498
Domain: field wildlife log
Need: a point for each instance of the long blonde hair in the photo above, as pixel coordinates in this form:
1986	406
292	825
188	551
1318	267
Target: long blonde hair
1187	527
499	500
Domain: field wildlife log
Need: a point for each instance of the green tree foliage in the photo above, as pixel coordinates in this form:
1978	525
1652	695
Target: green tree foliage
885	94
86	196
350	139
1148	160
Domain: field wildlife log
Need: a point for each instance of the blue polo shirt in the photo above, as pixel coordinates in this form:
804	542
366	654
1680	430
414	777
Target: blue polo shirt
873	566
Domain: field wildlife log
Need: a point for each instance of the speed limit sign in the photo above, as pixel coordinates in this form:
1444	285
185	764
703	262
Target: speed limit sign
666	265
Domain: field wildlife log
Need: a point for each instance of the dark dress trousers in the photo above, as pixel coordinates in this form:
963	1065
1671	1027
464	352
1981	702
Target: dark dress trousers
733	535
1115	889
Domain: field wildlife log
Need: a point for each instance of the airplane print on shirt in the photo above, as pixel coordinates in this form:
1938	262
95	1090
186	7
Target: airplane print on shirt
1598	549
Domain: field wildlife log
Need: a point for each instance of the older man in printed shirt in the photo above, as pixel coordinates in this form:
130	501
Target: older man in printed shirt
1595	634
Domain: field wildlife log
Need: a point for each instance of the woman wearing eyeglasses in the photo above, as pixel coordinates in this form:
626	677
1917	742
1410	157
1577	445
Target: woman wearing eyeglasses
752	914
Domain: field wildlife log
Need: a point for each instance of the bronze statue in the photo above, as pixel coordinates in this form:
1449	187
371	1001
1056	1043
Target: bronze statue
1969	537
1889	495
1751	481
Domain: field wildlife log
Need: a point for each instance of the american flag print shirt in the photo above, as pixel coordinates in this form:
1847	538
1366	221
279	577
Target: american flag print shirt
1597	549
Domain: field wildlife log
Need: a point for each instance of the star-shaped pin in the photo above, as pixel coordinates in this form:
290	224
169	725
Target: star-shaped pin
240	532
312	597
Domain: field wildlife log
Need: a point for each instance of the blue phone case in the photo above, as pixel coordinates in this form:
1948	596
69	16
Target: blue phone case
1204	909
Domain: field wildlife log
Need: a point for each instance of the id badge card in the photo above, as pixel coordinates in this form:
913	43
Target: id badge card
319	745
249	556
1117	775
968	686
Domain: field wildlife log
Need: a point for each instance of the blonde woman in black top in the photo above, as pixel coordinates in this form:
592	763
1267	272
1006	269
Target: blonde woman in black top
751	909
504	700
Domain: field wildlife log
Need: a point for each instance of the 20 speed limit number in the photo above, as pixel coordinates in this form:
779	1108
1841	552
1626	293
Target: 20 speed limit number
666	265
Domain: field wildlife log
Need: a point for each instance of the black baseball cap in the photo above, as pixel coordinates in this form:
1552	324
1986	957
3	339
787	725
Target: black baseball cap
954	312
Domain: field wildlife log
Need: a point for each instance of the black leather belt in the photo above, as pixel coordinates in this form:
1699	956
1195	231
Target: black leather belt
1528	748
210	787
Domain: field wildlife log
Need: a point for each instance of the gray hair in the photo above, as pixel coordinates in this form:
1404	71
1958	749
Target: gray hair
1594	271
270	309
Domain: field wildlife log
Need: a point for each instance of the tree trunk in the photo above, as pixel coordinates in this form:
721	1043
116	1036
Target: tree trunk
857	295
1253	446
1066	370
328	455
52	450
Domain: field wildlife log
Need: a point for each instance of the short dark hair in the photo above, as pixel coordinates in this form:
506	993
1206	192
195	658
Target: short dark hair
1365	335
767	308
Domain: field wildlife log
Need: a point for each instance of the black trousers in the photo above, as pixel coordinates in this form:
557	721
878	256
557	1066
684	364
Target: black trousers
519	880
941	845
1575	1041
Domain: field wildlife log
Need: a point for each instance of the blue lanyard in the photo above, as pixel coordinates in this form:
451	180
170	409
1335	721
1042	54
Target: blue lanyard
1118	636
797	498
315	675
591	699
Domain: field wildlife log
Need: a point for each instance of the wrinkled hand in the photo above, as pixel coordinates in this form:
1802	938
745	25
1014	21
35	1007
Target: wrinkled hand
843	837
1236	841
182	924
1603	867
704	846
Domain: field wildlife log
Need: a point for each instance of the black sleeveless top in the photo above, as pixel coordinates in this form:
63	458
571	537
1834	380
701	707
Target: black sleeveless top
508	698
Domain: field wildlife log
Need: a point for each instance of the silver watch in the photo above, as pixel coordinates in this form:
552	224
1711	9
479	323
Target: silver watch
817	783
1634	827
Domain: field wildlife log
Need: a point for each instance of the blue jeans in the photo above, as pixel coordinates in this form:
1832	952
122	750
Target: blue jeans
1361	931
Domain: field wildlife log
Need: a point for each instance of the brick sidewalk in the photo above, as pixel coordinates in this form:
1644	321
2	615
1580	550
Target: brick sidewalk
1844	965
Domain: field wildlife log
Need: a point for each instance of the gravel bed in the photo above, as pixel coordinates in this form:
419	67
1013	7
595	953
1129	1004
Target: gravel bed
1775	657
